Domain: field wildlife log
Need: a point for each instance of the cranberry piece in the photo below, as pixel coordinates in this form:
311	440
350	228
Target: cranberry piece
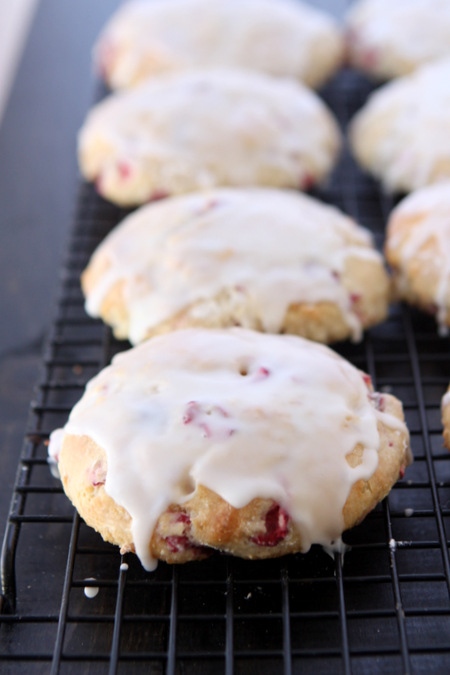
261	374
125	170
276	524
307	181
369	58
158	194
97	474
378	401
176	543
368	380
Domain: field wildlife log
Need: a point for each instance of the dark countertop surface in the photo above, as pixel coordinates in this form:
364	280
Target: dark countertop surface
38	178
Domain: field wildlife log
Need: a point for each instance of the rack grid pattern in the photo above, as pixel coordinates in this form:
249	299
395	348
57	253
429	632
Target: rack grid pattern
384	610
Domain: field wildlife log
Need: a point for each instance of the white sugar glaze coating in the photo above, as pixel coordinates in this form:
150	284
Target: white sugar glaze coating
272	247
275	416
279	37
206	128
445	400
429	211
389	39
402	133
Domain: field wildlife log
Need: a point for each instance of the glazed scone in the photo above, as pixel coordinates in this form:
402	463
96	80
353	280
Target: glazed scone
445	410
418	250
402	134
392	38
270	260
203	129
258	445
278	37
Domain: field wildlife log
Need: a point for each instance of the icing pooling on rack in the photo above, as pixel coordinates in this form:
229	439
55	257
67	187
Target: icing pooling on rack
275	37
244	414
409	120
199	129
433	205
404	32
269	248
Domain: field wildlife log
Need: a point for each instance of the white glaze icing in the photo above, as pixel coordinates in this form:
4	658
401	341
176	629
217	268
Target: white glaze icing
199	129
445	400
279	37
409	120
392	38
270	248
91	591
244	414
433	205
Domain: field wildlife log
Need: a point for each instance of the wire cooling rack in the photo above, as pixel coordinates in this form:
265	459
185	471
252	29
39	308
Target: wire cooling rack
384	610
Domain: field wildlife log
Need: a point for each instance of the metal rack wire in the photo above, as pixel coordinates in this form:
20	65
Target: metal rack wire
385	610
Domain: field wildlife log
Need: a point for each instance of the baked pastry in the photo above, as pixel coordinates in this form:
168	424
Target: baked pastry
271	260
388	39
277	37
258	445
445	409
402	134
202	129
418	250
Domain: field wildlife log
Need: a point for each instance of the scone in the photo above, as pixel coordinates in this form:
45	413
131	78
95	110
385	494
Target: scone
390	38
418	250
445	410
271	260
257	445
203	129
277	37
402	134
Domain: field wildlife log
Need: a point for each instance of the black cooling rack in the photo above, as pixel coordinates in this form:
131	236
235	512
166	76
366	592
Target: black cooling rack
385	610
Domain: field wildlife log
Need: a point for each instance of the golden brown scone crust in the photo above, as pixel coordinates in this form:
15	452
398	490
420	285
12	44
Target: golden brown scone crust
189	531
365	280
416	251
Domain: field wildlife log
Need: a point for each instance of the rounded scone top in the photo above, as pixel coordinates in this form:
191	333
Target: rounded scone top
389	39
418	249
206	128
240	414
281	38
402	134
260	258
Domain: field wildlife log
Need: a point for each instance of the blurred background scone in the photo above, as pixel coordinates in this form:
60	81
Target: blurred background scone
445	411
278	37
402	134
389	38
418	250
271	260
202	129
258	445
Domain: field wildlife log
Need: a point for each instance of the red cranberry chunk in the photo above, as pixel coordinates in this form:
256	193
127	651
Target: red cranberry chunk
378	401
97	474
176	543
368	380
276	524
